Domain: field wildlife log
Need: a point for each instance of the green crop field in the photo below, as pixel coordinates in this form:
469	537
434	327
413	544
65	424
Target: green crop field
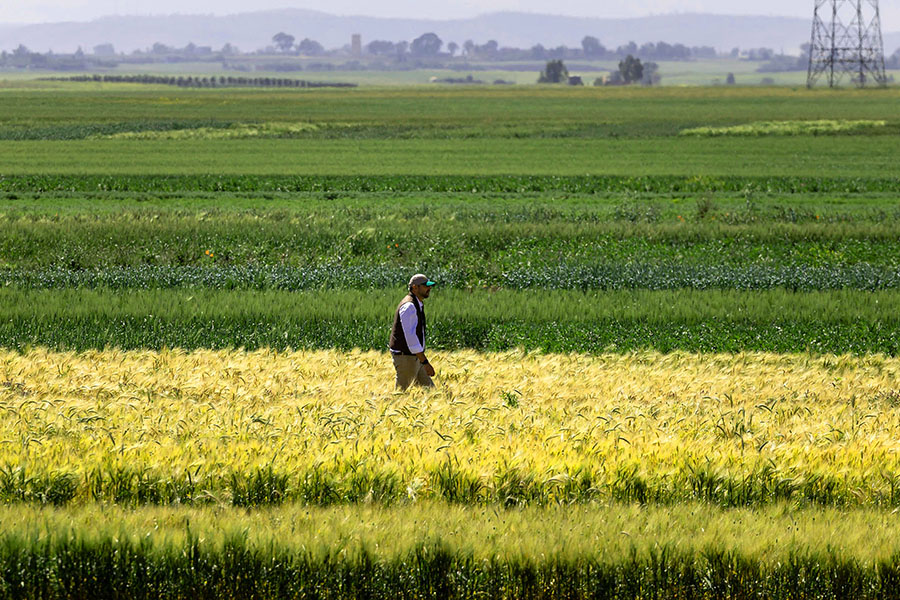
866	157
440	132
666	333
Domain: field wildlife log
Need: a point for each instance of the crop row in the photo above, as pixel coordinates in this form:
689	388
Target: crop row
73	569
130	332
81	131
359	482
712	321
770	535
446	551
452	240
702	215
836	322
476	184
535	306
771	128
354	129
323	428
109	568
204	82
664	276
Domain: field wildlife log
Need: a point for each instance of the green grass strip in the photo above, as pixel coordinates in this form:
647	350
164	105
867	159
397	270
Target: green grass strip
702	208
593	322
476	184
485	242
800	162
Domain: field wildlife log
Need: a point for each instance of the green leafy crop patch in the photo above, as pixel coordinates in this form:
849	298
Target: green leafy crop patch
102	130
233	131
782	128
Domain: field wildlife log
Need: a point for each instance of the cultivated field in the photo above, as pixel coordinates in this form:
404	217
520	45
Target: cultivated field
666	334
510	429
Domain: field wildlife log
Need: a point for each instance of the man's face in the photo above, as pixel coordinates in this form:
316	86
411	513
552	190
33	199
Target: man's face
422	291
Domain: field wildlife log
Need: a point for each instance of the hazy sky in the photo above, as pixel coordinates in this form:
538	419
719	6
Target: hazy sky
34	11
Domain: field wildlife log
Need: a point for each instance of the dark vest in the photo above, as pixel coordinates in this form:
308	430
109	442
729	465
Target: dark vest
397	342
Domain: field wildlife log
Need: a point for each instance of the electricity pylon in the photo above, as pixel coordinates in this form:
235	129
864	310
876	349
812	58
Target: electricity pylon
846	39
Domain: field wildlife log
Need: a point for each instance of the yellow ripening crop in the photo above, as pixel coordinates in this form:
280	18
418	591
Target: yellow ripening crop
556	422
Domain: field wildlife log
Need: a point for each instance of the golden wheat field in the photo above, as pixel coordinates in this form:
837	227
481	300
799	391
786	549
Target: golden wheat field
525	427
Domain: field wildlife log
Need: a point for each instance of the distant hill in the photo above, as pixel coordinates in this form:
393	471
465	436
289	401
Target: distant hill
254	30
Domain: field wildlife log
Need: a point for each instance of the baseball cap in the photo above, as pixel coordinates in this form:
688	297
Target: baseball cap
420	279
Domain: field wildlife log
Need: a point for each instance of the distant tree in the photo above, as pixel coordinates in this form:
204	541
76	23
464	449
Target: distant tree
538	52
664	51
592	47
230	50
631	69
651	74
381	48
452	47
782	63
760	54
78	53
680	52
735	52
894	60
104	50
558	53
468	47
310	47
730	79
402	48
21	51
283	41
554	72
159	48
428	44
704	52
488	49
629	48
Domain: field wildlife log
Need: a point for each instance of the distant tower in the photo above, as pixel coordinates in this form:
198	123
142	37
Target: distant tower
846	38
356	45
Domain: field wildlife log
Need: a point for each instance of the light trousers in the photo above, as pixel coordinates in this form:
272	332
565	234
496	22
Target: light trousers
410	371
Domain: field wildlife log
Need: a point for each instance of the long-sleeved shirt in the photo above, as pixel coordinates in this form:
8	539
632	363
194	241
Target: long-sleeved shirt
409	319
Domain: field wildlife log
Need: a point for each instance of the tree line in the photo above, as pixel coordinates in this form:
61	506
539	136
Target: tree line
427	50
426	46
631	70
430	45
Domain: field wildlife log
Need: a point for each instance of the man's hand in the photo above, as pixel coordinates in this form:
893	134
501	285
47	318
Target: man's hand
429	370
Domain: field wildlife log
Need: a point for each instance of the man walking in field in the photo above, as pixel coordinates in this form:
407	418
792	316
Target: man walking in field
407	343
